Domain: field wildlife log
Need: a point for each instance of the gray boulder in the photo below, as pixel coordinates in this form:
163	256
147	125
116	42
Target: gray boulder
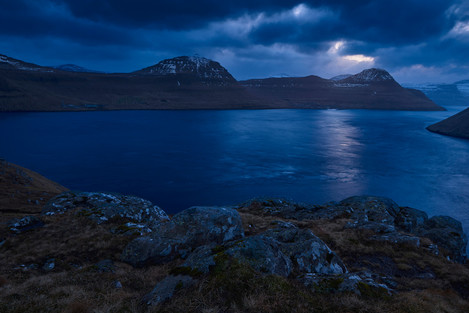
307	251
102	207
370	208
189	229
410	220
263	254
21	225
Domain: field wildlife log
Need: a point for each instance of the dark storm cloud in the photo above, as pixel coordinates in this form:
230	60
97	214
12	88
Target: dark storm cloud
379	21
42	18
393	34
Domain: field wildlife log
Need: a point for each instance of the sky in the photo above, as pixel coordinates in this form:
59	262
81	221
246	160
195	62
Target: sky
417	41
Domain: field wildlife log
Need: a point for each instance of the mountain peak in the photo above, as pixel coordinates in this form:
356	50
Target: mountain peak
201	67
371	75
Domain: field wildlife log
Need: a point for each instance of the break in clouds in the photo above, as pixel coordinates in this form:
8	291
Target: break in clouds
416	40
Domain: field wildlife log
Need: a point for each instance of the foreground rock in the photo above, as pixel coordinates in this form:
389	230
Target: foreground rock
360	254
309	253
189	229
447	233
381	216
102	207
282	251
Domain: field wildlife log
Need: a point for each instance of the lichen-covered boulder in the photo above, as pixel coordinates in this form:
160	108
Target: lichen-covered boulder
410	220
263	254
189	229
370	208
21	225
307	251
102	207
448	234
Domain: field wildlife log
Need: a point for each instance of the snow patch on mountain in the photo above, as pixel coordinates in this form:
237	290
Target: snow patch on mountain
372	75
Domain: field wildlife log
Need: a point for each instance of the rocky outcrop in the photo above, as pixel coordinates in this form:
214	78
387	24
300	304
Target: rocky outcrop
308	253
381	216
283	250
262	253
374	209
374	249
102	207
187	230
448	234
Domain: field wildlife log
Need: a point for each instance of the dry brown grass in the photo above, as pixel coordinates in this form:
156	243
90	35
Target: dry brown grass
75	286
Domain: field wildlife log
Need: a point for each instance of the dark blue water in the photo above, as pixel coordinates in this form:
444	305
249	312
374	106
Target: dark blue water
182	158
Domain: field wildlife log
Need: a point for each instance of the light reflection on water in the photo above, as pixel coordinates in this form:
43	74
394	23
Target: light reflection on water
182	158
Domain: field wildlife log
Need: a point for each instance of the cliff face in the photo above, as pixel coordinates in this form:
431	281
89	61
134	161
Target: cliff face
456	125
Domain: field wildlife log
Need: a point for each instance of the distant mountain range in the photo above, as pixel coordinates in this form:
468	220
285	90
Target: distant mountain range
194	83
74	68
445	94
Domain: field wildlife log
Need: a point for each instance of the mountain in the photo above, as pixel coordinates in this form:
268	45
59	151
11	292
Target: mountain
74	68
446	94
194	83
179	83
196	67
456	125
369	89
7	63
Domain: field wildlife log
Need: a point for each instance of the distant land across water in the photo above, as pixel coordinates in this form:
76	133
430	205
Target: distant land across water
195	83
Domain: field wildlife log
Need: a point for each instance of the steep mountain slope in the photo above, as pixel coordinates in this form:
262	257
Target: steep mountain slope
369	89
456	125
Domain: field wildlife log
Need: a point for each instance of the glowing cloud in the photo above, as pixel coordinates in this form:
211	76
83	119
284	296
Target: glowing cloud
358	58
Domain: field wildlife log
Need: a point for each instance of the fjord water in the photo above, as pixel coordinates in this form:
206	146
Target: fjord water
182	158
